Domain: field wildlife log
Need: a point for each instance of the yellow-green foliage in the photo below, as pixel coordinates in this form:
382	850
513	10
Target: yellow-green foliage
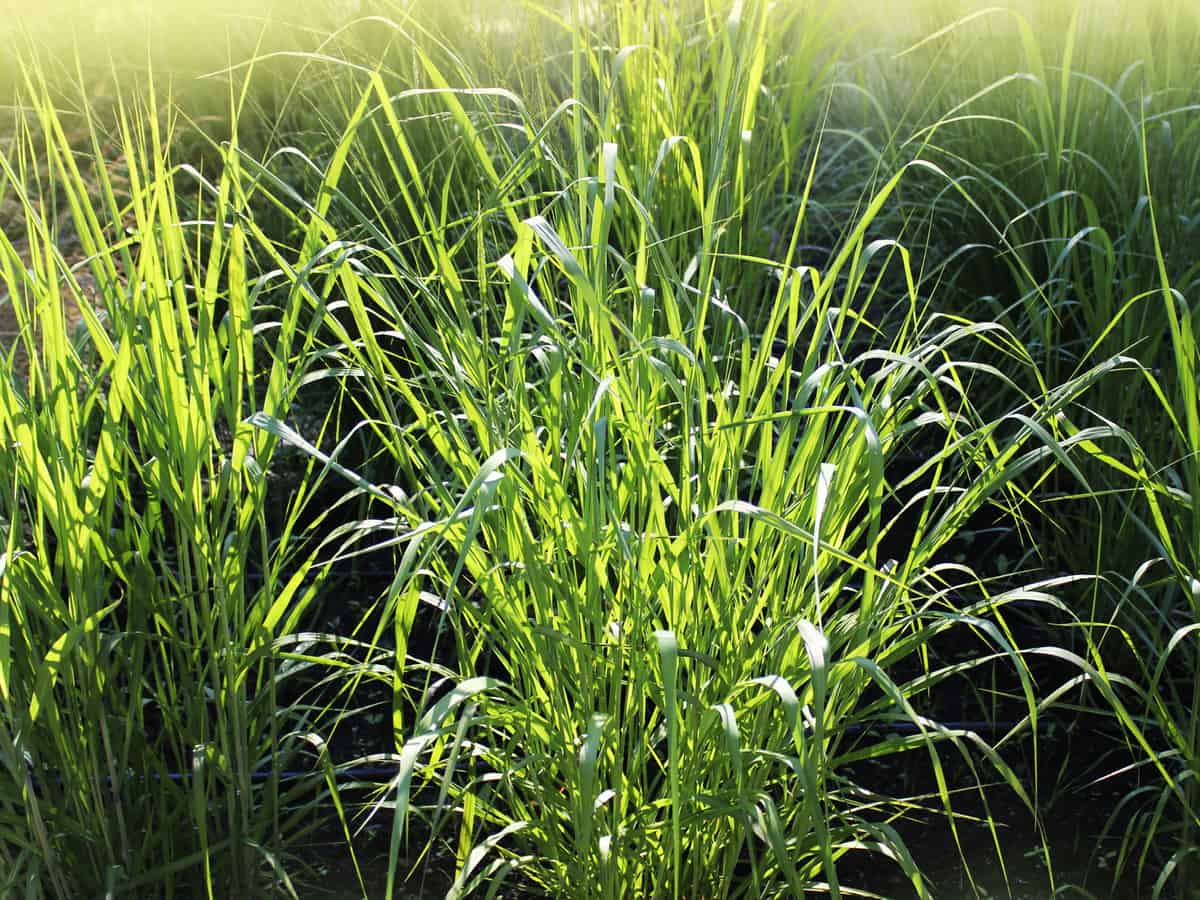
679	348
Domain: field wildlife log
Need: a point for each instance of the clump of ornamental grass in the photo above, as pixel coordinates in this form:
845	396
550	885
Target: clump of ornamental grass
149	573
1053	140
1157	613
672	617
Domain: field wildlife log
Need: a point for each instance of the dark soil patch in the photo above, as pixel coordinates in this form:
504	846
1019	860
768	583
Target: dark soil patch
1009	858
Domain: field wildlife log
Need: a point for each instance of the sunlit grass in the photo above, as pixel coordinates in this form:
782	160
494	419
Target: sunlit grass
670	359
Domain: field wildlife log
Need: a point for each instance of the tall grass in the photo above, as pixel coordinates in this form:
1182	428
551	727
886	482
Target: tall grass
1158	615
672	364
147	571
1037	116
1068	147
677	586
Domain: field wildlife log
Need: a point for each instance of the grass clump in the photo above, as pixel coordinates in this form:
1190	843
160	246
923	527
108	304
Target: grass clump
146	576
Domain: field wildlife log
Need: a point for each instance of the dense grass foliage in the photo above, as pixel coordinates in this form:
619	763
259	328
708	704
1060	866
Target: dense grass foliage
145	575
1070	142
729	404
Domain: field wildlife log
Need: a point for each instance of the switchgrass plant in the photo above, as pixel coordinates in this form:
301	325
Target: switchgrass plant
1158	616
149	566
1068	143
672	607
